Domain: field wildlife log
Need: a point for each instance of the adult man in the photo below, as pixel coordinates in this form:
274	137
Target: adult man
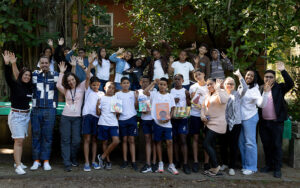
272	118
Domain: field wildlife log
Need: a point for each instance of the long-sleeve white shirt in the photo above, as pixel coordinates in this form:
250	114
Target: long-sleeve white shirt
251	100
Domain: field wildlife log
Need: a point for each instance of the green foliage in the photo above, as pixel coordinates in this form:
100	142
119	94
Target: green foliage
248	29
19	29
95	36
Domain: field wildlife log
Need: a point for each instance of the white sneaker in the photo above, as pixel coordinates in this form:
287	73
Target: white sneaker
47	166
172	169
231	172
160	167
248	172
242	170
22	165
35	165
19	170
223	167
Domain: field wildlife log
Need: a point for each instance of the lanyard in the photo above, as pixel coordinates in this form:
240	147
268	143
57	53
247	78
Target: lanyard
73	97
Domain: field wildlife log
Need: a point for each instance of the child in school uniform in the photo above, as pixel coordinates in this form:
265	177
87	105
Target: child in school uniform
180	125
163	105
108	126
147	126
90	121
198	91
128	121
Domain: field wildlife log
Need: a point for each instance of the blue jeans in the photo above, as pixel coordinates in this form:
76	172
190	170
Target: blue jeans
247	143
69	138
42	124
118	86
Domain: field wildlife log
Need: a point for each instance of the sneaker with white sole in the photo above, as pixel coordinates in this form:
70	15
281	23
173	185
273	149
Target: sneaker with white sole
172	169
35	165
22	165
248	172
95	165
47	166
242	170
87	167
231	172
161	167
19	170
223	167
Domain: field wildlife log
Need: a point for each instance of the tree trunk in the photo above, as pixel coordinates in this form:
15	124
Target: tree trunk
80	24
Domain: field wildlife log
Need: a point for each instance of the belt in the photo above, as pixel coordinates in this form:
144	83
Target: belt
21	111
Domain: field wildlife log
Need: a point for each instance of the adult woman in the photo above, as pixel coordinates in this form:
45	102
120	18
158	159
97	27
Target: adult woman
103	66
213	116
18	118
233	119
123	63
70	123
247	139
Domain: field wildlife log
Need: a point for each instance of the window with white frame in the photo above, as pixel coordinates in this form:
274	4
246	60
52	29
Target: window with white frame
106	23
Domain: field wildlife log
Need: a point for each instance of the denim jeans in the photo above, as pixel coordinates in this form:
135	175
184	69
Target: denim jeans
42	123
247	143
209	146
70	138
103	82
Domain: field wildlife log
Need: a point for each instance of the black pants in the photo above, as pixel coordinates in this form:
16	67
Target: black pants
230	141
209	146
271	137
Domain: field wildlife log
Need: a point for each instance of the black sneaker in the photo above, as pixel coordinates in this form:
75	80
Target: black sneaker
146	168
134	166
108	166
266	169
154	167
206	166
177	165
68	168
186	169
124	165
277	174
75	164
195	167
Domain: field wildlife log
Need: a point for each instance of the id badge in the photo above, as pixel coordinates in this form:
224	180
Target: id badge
73	107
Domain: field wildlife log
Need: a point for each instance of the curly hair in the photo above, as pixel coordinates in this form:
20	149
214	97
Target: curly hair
65	80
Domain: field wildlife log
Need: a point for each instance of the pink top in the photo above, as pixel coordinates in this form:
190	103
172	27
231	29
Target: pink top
214	107
71	108
268	112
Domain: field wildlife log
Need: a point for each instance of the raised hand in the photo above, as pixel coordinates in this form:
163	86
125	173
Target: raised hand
196	59
280	65
62	67
238	74
12	58
120	51
61	41
80	61
162	41
157	81
92	57
171	59
268	86
219	82
6	57
50	42
223	55
74	47
194	45
73	61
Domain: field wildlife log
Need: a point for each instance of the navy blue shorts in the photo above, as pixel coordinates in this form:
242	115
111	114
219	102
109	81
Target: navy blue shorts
107	132
147	126
196	125
89	124
128	127
180	126
161	133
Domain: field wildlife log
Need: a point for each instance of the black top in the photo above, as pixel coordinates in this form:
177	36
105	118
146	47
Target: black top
20	93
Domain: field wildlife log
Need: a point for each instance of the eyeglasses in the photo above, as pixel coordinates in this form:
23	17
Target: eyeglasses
269	77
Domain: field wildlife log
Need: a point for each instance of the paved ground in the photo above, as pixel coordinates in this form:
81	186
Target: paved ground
128	178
